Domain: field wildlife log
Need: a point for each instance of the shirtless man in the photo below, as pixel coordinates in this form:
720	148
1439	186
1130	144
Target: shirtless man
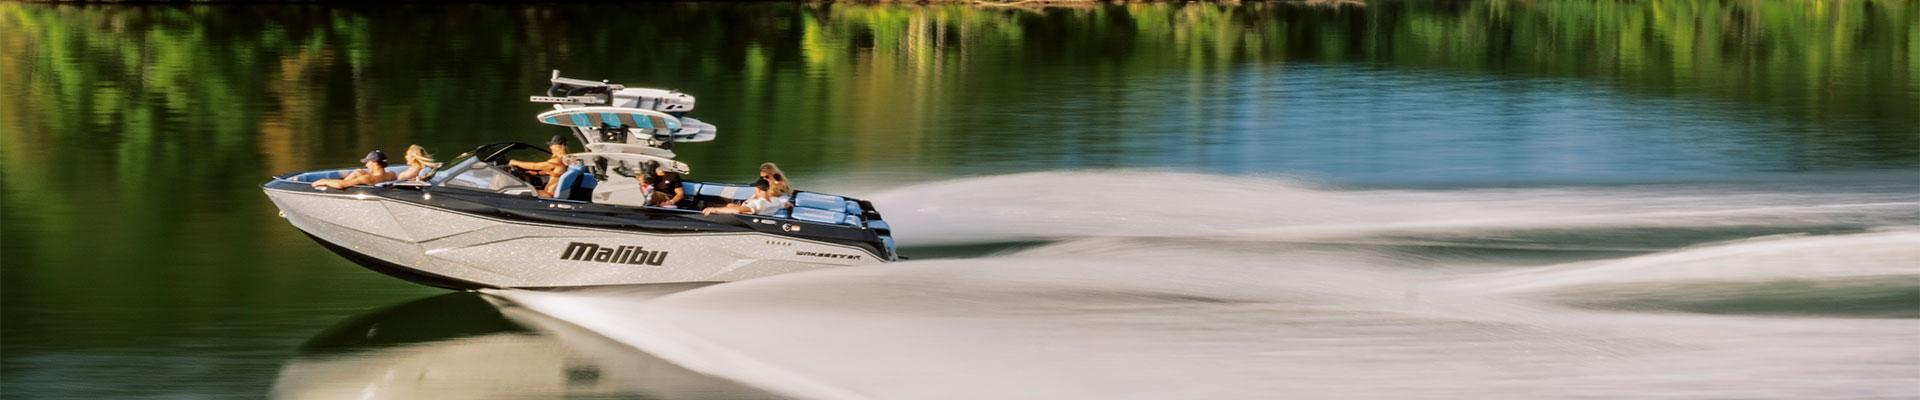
375	172
554	164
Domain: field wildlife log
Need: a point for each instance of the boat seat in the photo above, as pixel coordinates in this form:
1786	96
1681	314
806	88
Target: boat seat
818	215
825	208
575	184
729	192
820	201
584	189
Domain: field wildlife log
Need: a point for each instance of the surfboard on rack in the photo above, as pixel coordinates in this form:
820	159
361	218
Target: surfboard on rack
599	117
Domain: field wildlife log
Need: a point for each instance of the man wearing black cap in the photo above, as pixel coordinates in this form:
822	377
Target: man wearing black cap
375	172
552	168
554	164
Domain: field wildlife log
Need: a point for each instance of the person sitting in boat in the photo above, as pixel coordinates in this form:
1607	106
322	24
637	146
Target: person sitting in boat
762	203
776	181
554	165
375	172
551	168
667	190
418	162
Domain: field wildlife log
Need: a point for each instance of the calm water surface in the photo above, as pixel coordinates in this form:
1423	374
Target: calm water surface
1563	154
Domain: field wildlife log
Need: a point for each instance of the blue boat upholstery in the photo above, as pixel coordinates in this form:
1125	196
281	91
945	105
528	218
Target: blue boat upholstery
820	201
818	215
729	192
584	188
574	176
825	208
690	188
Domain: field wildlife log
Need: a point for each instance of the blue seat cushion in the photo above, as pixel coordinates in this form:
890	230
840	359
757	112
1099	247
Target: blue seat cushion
567	180
729	192
820	201
818	215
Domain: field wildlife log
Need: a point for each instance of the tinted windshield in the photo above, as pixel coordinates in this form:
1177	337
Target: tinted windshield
456	165
483	177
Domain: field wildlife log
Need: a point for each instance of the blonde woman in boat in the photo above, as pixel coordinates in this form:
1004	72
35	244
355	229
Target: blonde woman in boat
418	162
777	180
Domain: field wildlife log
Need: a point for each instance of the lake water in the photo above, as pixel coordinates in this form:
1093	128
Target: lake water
1554	198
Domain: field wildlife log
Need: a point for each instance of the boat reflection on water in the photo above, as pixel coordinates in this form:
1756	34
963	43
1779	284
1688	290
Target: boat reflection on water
459	345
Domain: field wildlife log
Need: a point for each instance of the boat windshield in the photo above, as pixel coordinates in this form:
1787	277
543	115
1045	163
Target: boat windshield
469	173
459	163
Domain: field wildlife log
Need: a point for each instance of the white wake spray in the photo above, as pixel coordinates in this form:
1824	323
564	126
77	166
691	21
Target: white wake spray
1129	203
1136	302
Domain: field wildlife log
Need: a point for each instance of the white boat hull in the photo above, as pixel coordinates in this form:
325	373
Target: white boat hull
461	251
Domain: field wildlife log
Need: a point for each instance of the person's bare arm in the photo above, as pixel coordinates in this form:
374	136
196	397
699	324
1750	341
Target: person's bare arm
727	209
540	166
355	180
678	194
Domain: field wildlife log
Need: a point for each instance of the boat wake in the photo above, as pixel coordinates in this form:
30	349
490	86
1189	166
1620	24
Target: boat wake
1146	204
1867	275
1684	291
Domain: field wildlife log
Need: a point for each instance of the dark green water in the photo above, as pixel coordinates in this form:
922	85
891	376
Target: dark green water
141	260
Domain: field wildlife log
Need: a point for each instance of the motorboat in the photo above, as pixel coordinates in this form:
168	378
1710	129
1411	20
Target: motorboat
477	223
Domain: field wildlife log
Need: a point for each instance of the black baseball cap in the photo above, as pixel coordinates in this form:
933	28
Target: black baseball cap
375	155
558	139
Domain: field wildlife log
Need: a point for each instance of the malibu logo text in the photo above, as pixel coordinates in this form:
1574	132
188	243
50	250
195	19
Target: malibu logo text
635	255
